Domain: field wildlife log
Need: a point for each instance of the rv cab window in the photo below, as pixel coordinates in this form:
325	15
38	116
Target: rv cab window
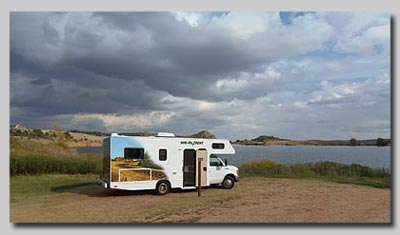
214	161
162	154
133	153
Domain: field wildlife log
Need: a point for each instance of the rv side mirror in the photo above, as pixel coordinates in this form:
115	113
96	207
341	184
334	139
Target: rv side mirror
220	164
226	162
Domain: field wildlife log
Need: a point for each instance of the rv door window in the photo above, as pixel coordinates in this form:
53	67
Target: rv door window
162	154
133	153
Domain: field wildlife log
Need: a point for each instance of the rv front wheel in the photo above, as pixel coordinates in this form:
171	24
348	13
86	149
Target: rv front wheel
163	187
228	182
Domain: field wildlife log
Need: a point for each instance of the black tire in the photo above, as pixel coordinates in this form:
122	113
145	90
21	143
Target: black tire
228	182
214	185
163	187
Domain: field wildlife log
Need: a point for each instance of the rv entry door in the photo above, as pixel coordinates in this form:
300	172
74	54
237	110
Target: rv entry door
201	164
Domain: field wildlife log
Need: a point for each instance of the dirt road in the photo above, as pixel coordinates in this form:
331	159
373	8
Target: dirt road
253	200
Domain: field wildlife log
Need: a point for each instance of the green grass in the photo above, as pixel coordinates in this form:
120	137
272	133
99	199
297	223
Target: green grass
28	157
328	171
22	187
31	165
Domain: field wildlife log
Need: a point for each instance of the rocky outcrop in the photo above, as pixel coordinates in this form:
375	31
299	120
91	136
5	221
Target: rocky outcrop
203	134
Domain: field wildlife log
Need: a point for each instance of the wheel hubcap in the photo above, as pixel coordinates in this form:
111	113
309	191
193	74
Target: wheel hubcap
228	183
163	188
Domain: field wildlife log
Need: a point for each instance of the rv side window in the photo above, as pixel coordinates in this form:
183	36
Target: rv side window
162	154
133	153
218	146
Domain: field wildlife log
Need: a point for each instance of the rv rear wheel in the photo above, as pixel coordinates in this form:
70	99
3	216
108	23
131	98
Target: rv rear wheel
163	187
228	182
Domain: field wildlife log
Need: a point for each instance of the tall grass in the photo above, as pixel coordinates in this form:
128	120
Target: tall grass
333	171
29	157
31	165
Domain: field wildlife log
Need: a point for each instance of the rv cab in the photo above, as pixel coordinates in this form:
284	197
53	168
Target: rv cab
219	169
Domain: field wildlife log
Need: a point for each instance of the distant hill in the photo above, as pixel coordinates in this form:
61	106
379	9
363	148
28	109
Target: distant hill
264	138
96	133
272	140
203	134
18	127
72	138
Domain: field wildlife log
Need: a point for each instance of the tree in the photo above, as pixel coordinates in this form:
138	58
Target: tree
353	142
37	133
381	142
68	136
58	132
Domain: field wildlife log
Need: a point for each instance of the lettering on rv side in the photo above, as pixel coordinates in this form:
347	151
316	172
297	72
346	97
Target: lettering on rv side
192	142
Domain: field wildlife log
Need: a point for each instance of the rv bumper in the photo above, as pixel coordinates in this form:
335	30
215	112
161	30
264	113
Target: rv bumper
103	183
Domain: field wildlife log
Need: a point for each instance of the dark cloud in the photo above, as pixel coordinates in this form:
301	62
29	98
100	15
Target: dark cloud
41	81
190	72
50	33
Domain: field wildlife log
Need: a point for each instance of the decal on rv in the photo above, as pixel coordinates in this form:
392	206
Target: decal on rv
192	143
126	168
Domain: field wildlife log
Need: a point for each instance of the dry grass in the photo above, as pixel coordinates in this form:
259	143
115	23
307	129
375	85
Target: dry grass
85	140
78	140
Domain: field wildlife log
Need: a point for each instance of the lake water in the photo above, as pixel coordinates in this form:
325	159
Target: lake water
365	155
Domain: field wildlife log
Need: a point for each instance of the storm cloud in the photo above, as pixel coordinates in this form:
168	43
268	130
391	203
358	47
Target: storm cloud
238	74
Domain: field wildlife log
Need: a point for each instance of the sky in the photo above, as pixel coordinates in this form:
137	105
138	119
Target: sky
298	75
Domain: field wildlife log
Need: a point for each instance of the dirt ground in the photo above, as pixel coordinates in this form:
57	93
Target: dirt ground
253	200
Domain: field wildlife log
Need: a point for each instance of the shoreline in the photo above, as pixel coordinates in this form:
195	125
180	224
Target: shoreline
315	145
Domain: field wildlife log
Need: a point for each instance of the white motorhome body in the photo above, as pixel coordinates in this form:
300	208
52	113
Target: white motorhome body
163	162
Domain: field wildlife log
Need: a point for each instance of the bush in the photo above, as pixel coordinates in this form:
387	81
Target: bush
324	169
381	142
263	167
334	171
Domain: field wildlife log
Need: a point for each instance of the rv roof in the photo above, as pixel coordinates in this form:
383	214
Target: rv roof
165	134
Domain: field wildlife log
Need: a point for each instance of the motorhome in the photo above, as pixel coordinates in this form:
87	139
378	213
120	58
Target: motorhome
164	162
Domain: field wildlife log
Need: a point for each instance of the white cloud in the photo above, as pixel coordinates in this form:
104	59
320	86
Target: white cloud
364	34
300	104
358	93
244	25
245	80
125	122
192	18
